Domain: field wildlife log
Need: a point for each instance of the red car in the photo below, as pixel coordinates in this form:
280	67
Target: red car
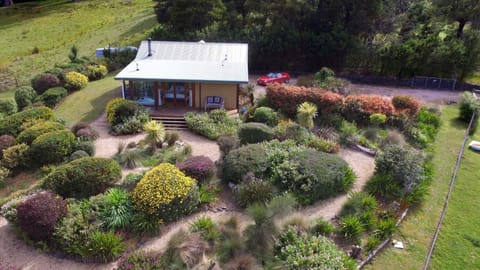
281	77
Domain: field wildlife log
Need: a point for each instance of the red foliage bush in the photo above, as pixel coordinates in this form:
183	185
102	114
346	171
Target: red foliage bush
406	104
286	98
43	82
39	215
87	133
359	108
200	168
6	141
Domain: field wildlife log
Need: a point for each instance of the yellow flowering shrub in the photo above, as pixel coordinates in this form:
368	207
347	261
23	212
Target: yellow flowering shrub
96	72
75	80
166	192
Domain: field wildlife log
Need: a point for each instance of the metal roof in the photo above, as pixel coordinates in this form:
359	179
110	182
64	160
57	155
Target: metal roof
189	62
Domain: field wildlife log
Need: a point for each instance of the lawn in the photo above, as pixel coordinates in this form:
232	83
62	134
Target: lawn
89	103
54	26
474	78
418	229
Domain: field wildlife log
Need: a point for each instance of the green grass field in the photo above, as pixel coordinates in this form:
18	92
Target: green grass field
418	229
54	26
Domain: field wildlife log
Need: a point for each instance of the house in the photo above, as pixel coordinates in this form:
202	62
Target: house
183	74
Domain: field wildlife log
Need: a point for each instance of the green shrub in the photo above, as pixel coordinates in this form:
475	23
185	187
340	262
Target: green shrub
145	224
5	142
96	72
38	215
8	106
116	212
378	119
13	124
212	125
254	133
402	164
43	82
30	134
142	261
227	143
171	137
207	229
4	172
468	106
16	157
75	81
239	162
165	191
348	133
119	109
86	146
52	147
322	227
303	251
313	175
105	246
305	114
252	191
323	145
266	116
372	243
383	186
78	154
52	96
385	228
350	228
298	133
358	203
83	177
24	96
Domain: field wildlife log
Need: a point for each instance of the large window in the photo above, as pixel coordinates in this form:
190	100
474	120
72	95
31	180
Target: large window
143	93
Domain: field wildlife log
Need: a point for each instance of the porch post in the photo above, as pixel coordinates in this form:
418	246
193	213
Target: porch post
200	87
155	94
238	97
123	89
130	88
174	94
163	93
194	101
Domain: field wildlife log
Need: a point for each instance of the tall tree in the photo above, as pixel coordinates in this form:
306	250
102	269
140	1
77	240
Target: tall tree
461	11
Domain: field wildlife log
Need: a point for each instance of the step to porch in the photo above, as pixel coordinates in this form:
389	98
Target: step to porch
171	122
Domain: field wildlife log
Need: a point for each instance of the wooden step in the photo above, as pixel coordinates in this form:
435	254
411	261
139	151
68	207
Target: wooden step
171	122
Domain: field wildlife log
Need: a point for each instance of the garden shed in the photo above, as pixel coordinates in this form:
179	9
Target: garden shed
183	74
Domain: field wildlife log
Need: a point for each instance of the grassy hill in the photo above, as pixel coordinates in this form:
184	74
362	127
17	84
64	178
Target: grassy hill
54	26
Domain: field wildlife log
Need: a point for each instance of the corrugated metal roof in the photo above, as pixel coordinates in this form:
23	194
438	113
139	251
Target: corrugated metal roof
189	61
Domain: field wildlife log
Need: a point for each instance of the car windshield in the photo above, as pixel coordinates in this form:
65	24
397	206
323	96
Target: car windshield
271	75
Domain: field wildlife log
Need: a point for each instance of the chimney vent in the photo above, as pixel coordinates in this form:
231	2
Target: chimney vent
149	47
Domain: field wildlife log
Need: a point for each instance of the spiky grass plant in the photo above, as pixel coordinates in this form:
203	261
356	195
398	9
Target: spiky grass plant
305	114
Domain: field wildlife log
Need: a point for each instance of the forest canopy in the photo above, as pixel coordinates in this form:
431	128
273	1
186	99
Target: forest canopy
399	38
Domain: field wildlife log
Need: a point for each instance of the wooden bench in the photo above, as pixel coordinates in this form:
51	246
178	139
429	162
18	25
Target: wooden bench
214	102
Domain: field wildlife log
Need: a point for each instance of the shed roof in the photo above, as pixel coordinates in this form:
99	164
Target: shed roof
189	62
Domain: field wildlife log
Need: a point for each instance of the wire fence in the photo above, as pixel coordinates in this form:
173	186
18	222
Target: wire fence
450	189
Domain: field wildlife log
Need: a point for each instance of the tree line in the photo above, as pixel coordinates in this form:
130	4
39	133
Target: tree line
399	38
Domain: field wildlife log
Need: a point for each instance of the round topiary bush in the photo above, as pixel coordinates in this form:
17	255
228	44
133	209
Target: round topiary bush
166	192
265	115
83	177
248	158
200	168
39	215
75	81
24	96
16	156
52	147
78	154
13	124
8	106
86	146
52	96
254	133
96	72
43	82
119	109
30	134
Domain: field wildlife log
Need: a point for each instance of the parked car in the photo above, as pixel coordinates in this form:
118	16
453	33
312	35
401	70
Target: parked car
280	77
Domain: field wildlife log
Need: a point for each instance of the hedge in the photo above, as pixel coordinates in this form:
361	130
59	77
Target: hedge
13	124
254	133
52	147
359	108
83	177
30	134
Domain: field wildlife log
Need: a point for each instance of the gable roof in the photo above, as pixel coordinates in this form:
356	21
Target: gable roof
189	62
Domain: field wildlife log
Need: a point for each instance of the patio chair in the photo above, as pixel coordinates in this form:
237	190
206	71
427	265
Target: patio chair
214	102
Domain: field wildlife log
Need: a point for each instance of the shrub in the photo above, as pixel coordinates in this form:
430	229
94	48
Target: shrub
75	81
116	212
402	164
406	104
39	215
105	246
86	146
252	191
302	251
165	191
385	228
359	108
4	172
133	124
83	177
16	156
312	175
52	147
84	131
171	137
78	154
200	168
43	82
52	96
298	133
227	143
377	119
207	229
348	133
24	96
286	98
6	141
394	137
145	224
13	124
239	162
254	133
96	72
266	116
30	134
305	114
350	228
322	227
125	116
358	203
244	262
8	106
372	243
468	106
211	125
323	145
144	261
